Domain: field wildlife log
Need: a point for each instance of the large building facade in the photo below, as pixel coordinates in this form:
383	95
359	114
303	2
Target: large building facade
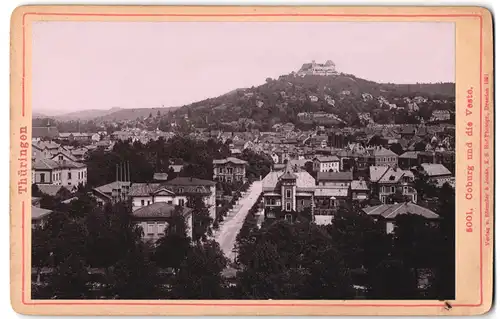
175	192
292	192
65	173
230	170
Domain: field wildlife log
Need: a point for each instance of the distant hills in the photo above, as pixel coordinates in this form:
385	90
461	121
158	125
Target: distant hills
344	96
132	114
113	114
299	99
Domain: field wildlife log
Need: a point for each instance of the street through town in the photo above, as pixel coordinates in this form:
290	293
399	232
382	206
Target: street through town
229	229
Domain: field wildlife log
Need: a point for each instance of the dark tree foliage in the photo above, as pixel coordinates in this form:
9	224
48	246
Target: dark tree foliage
201	218
392	279
135	276
172	249
273	266
155	156
361	241
259	166
200	274
69	280
445	275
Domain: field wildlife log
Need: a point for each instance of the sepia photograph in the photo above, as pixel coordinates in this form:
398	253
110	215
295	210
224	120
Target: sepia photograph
233	160
251	160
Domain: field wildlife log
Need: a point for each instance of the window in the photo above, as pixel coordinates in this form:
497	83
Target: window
161	229
288	207
69	175
60	157
42	178
150	228
393	189
405	189
302	202
149	202
181	190
288	218
142	202
220	170
288	193
169	202
181	202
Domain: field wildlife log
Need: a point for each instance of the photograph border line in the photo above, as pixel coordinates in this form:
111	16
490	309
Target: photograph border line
155	303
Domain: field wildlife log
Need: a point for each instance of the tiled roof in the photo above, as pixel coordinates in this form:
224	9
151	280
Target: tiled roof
66	155
359	185
324	159
46	144
435	169
158	210
108	188
44	163
334	176
147	189
190	181
304	180
49	189
233	160
70	164
391	211
387	174
38	213
142	189
409	154
383	152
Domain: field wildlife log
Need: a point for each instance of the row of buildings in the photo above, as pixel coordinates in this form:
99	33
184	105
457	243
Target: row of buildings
290	191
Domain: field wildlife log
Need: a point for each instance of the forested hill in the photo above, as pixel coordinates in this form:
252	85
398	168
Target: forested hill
345	96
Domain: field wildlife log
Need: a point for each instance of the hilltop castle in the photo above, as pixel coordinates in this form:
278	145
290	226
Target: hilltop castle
318	69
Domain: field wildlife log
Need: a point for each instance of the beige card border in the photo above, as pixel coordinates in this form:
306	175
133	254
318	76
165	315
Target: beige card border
474	127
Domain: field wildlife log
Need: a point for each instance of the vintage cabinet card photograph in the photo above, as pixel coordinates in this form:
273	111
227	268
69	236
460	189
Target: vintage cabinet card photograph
211	160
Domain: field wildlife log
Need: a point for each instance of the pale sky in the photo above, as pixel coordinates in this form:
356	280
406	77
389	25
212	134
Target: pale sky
100	65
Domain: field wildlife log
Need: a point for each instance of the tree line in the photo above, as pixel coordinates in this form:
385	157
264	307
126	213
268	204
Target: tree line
354	257
157	156
86	251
